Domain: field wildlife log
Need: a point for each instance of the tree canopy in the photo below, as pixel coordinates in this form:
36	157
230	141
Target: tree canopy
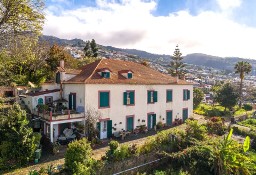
227	96
17	143
19	17
91	49
198	96
242	68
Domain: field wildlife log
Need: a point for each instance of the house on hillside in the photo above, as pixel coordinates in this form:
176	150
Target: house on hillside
126	94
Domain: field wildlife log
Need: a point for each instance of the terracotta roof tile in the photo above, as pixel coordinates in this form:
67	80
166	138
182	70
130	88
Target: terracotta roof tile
141	74
68	71
42	92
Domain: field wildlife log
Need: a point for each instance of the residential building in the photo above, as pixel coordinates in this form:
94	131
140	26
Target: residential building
126	94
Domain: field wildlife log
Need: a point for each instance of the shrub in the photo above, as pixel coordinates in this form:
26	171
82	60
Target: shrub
247	107
216	126
78	158
159	125
118	153
195	130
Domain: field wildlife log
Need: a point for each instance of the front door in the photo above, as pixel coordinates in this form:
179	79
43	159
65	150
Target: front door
103	132
105	129
129	122
169	118
151	121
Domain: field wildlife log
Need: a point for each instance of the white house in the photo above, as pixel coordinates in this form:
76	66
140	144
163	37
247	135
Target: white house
126	94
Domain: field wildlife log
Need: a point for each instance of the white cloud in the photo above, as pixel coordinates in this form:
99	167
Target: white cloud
132	25
229	4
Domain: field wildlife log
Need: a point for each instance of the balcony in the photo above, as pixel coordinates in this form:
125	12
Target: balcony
60	115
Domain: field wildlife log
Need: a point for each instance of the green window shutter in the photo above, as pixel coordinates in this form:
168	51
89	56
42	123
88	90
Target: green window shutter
129	75
104	99
107	74
184	94
149	96
169	118
155	96
132	97
98	127
169	95
109	128
188	91
125	98
184	114
74	101
58	77
154	119
70	101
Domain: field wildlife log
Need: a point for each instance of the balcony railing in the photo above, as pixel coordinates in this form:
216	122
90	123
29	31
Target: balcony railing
60	115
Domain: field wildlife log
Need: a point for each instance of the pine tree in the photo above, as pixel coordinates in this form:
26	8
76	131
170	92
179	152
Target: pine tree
87	49
94	48
176	65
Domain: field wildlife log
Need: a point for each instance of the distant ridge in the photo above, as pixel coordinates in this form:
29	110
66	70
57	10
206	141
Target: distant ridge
199	59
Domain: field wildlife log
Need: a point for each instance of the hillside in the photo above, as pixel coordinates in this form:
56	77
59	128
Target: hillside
199	59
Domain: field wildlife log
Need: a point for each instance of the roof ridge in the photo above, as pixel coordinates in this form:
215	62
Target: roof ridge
93	71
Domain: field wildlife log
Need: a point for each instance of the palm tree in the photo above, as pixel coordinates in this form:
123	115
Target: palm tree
242	67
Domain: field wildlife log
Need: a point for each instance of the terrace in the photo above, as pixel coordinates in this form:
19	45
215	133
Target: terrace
58	111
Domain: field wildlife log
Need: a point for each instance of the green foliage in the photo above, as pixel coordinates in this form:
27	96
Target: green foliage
242	68
78	158
250	123
227	96
176	65
197	159
20	17
23	62
215	126
246	145
195	130
230	159
118	153
159	125
17	143
91	49
247	107
211	111
198	96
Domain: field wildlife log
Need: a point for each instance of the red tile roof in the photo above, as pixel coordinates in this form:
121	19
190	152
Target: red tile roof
141	74
42	92
68	71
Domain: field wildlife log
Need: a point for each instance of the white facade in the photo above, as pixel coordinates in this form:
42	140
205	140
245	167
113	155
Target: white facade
32	101
88	96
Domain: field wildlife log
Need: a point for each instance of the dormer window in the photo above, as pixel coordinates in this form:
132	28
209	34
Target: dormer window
104	73
129	75
126	73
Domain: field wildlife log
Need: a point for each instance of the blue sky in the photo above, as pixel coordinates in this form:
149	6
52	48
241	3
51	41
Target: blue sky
216	27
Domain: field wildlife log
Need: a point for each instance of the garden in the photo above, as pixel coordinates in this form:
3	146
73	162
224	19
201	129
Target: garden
198	149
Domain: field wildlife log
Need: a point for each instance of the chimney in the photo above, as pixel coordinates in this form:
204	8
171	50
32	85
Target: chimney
62	63
177	78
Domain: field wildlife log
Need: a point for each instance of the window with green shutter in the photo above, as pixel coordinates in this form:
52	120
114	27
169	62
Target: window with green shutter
129	98
129	75
186	94
152	96
168	95
104	99
105	74
58	77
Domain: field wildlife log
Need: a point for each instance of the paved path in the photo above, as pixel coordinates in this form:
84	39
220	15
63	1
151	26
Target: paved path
97	153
